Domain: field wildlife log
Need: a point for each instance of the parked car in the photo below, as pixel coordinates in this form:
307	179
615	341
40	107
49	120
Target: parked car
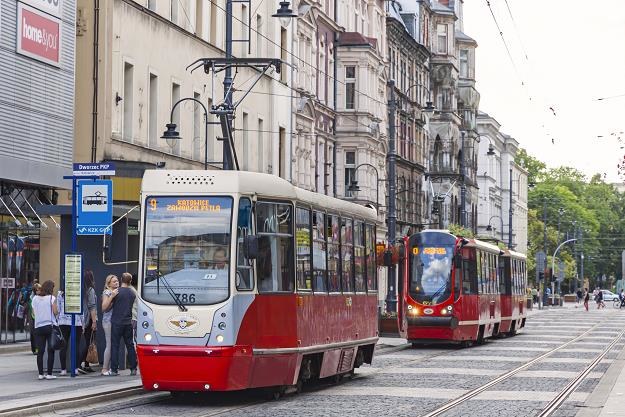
609	295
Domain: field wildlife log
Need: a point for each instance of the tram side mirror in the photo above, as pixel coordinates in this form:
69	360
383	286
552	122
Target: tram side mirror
250	246
107	248
458	261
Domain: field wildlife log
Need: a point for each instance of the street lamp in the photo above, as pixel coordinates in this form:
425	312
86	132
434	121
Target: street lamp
489	227
172	136
353	186
284	14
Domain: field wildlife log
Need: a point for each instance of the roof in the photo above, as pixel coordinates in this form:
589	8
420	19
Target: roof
393	13
439	8
461	36
356	39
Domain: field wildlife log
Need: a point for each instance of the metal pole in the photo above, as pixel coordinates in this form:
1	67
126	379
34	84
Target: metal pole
510	214
392	217
553	259
463	186
205	140
545	225
228	86
72	334
581	235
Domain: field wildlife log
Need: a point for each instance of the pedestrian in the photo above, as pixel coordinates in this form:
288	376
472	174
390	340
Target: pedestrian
586	298
579	296
65	324
36	291
46	311
534	295
89	319
121	325
111	288
599	300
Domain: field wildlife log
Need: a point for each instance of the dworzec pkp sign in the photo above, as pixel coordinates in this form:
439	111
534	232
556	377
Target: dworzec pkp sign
94	169
94	207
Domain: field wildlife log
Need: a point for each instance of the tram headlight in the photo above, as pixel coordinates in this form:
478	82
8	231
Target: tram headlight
148	337
413	310
444	311
222	326
145	324
220	338
450	308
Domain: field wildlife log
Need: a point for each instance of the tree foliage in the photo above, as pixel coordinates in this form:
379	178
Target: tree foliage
573	207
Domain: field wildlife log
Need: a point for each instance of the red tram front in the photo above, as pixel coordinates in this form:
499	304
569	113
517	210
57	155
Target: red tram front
247	281
449	289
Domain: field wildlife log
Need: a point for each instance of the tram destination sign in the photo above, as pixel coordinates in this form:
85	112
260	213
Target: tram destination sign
86	169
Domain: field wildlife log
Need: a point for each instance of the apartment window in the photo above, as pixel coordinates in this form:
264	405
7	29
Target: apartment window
441	31
283	49
261	140
259	36
350	87
244	31
175	96
152	5
464	63
350	171
127	95
197	128
282	152
153	134
173	13
246	145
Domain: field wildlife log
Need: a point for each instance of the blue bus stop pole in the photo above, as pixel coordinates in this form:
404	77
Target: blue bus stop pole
72	349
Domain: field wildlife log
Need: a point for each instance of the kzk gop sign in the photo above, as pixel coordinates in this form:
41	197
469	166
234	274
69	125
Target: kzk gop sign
38	35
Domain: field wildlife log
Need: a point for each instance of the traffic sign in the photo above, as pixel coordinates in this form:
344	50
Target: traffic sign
94	169
94	207
7	282
541	264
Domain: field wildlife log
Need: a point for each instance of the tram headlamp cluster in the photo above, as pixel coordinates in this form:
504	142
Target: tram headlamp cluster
444	311
147	337
450	308
222	326
145	324
220	338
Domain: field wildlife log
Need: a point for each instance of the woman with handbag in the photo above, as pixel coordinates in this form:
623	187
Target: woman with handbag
90	319
65	324
46	310
111	288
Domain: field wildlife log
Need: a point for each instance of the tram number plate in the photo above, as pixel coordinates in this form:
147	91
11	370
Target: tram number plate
185	298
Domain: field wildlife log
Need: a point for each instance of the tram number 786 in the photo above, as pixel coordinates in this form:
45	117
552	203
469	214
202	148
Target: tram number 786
185	298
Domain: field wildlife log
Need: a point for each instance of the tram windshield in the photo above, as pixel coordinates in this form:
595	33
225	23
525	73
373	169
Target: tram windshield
430	273
187	244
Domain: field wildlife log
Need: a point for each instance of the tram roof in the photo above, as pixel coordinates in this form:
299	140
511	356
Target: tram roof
245	182
513	254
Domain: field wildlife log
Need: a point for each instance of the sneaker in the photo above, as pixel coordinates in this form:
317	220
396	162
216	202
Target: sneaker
63	372
133	372
88	369
106	373
113	373
50	376
81	371
40	377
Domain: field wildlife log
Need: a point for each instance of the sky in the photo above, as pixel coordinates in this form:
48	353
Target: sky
564	55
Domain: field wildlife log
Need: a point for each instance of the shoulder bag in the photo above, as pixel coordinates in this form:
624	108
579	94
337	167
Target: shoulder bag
92	351
58	341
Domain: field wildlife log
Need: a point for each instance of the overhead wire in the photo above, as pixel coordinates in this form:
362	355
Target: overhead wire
517	30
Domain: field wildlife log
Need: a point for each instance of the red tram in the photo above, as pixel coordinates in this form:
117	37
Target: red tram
247	281
454	289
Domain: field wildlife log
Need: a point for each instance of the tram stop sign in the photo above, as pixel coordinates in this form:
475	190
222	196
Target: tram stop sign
541	263
94	207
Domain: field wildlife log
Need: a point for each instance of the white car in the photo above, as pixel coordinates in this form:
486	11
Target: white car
609	295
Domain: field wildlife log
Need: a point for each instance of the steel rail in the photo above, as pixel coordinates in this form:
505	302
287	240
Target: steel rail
554	404
474	392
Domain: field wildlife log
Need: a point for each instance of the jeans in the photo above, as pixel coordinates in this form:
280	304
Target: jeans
106	363
119	331
67	330
43	337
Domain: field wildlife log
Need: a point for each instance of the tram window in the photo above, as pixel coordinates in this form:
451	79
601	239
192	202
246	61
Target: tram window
469	271
478	260
245	271
274	264
333	228
319	252
493	273
303	238
359	256
347	255
372	269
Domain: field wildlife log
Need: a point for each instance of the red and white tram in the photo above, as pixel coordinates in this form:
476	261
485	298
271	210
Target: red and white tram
452	289
247	281
513	297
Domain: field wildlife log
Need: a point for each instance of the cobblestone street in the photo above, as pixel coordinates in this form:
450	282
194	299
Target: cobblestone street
415	381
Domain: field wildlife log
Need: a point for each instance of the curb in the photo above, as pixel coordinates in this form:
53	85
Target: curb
18	347
75	402
390	349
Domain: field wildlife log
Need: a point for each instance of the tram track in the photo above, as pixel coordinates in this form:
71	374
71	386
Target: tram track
558	400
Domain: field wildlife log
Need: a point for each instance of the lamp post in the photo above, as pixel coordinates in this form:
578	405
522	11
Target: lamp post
391	214
489	227
172	135
553	259
353	186
510	214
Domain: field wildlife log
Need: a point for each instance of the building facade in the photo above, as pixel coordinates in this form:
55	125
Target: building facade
37	59
502	186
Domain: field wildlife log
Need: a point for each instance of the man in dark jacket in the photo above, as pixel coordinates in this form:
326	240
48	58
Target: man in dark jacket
121	325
